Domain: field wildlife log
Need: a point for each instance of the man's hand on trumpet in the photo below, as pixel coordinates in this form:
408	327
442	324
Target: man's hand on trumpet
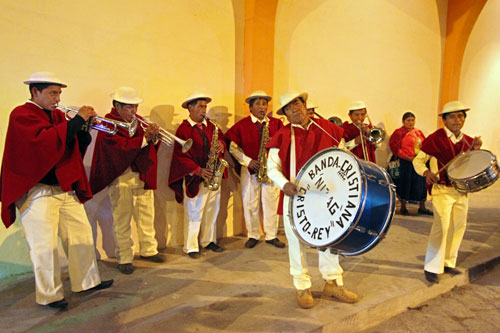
86	112
152	132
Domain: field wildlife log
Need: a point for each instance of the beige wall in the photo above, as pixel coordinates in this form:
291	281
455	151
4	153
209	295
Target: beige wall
387	53
480	80
165	49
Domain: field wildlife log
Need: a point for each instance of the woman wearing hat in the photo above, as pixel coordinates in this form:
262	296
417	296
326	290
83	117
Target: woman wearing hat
405	143
284	162
128	165
450	206
43	175
246	137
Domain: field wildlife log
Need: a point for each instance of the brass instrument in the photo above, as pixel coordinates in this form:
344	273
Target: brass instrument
262	158
101	124
214	163
377	135
166	137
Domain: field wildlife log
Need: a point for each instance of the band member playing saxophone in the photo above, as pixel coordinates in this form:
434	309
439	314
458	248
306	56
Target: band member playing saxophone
128	166
249	137
289	149
43	175
450	206
197	173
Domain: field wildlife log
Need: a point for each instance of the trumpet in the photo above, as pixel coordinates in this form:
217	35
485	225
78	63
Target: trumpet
377	135
101	124
165	136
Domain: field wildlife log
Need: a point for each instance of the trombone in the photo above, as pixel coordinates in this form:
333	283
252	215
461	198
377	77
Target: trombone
165	136
101	124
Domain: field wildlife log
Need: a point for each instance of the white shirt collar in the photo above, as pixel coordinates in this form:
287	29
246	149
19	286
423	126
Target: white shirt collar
452	136
193	123
30	101
255	119
307	126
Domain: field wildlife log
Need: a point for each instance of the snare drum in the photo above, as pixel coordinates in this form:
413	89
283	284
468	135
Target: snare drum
343	203
473	171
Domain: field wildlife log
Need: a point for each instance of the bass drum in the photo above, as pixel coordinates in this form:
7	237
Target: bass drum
343	203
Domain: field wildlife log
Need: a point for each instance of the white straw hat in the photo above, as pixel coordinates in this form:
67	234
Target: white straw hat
126	95
194	97
311	105
258	94
45	77
453	107
288	97
357	105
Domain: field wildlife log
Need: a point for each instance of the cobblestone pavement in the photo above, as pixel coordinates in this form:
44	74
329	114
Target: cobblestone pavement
470	308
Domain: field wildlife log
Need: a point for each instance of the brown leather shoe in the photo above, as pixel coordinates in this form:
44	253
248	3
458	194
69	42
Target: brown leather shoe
340	292
305	299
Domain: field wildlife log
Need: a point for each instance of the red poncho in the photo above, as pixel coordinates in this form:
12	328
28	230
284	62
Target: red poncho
113	154
33	146
439	145
307	144
184	164
351	132
404	143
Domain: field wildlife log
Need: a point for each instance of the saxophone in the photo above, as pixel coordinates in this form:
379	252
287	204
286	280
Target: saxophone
214	163
262	158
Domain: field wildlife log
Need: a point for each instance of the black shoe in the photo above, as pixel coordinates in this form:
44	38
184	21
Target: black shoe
126	268
276	242
251	242
425	211
431	277
103	285
158	258
403	211
452	271
194	255
214	247
61	304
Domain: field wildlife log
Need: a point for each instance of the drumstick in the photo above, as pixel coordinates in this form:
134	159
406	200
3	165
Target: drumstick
456	157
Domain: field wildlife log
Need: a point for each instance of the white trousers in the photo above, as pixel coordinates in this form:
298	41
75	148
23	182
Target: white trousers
130	199
46	212
200	218
329	266
448	228
254	194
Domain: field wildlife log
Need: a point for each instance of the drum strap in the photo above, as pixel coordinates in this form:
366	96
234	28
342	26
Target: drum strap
293	164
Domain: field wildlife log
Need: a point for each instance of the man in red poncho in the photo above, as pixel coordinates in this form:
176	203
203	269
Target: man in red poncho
356	133
246	138
43	175
201	205
128	165
289	149
450	206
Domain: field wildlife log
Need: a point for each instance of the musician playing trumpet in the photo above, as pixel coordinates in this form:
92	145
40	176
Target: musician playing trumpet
289	149
43	175
450	206
357	132
128	166
191	172
249	137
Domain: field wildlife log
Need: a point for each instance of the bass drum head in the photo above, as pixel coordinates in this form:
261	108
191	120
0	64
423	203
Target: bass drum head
470	164
329	189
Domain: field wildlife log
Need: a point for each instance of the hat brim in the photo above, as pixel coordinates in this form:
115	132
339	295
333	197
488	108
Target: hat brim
46	81
186	102
451	111
267	98
291	98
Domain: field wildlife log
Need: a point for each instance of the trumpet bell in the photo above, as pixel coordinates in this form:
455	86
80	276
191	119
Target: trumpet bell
187	145
377	135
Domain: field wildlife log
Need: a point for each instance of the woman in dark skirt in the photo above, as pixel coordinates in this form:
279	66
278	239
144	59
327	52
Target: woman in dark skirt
405	143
